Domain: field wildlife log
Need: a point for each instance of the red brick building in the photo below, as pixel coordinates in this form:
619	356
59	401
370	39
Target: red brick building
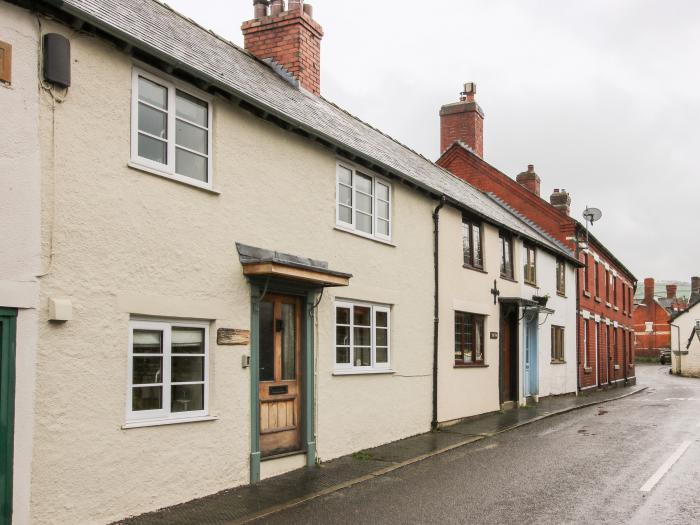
605	287
652	317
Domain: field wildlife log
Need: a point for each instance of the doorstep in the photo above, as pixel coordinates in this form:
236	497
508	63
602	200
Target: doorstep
249	502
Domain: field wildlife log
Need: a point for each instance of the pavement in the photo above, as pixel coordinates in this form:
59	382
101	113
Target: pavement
301	496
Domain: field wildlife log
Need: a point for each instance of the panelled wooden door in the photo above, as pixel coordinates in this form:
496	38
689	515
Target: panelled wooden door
280	381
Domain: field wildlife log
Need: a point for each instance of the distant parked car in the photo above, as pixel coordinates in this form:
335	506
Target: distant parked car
665	357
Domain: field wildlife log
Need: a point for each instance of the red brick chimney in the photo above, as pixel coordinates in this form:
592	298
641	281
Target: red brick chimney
648	290
671	290
561	200
289	37
463	121
695	284
530	180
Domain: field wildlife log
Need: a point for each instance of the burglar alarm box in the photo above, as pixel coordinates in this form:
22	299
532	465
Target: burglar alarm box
57	59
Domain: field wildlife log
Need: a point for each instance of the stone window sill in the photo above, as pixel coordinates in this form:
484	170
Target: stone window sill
475	365
598	300
558	362
476	269
587	294
506	278
587	369
362	372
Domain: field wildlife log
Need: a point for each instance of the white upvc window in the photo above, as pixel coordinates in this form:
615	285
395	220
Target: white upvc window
363	202
362	337
168	371
171	129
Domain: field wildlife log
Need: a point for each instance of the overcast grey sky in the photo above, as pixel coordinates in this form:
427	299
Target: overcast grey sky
602	96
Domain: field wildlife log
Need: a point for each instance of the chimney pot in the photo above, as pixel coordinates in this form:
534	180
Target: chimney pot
261	8
309	10
295	5
531	168
277	7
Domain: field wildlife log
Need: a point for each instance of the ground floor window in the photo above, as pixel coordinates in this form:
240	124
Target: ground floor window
558	344
469	339
168	370
362	336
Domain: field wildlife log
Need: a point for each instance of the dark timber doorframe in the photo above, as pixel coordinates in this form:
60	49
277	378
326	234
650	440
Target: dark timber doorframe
509	321
8	319
308	295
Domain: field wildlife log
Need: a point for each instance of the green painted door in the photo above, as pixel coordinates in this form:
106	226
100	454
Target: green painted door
8	319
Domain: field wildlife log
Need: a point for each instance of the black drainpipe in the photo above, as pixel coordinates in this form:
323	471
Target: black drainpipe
436	312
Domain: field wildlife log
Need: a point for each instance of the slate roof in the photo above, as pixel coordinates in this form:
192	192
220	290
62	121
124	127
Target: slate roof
253	255
158	30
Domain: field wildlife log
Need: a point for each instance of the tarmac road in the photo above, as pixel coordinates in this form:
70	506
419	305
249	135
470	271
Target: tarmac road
587	466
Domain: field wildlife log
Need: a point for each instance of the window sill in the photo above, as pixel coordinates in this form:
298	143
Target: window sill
533	285
587	369
557	362
608	304
616	308
561	295
587	294
364	236
468	267
506	278
597	300
145	169
162	422
362	372
476	365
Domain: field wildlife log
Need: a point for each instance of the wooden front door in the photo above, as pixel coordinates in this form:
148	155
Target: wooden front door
280	381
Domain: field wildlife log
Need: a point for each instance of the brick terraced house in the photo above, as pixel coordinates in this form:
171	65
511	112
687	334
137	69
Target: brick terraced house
604	287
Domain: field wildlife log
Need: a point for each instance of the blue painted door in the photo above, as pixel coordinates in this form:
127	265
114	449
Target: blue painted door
530	371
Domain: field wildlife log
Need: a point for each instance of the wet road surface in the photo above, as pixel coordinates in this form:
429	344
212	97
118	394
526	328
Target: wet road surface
587	466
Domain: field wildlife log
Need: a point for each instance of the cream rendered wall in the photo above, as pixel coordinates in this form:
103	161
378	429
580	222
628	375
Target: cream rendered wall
130	243
20	261
689	360
464	392
554	379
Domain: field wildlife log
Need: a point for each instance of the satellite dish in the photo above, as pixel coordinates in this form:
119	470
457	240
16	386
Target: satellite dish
592	214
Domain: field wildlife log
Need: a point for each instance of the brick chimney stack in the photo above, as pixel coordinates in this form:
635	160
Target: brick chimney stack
463	121
561	200
290	38
671	290
530	180
695	284
648	290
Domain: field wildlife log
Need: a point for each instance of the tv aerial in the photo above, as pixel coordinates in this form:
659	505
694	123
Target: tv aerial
591	215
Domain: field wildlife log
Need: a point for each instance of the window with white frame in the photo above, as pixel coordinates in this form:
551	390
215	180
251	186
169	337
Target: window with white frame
171	129
168	370
363	203
362	337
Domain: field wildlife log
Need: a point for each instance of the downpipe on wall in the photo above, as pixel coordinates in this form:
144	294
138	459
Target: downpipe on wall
436	310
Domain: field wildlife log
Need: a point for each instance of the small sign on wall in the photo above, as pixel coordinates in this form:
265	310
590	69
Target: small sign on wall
494	335
232	337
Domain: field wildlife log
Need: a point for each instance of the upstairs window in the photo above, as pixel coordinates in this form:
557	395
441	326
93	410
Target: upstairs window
363	203
506	255
614	290
171	130
608	276
530	265
596	279
469	339
561	277
586	276
471	243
